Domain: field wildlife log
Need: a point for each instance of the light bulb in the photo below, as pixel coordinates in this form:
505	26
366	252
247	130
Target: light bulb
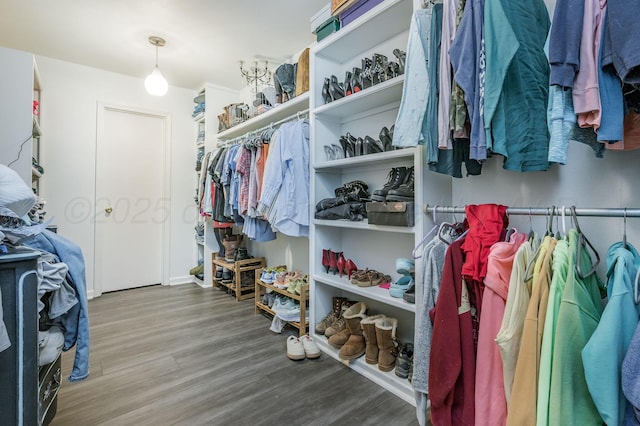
156	84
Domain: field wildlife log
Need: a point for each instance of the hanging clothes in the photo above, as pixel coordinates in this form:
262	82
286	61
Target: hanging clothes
287	178
510	333
631	380
517	82
450	8
564	42
603	354
561	263
490	400
522	407
468	61
452	360
487	224
578	316
433	255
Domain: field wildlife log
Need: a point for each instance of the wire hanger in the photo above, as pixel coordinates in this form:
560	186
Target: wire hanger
428	234
624	232
582	243
532	234
528	270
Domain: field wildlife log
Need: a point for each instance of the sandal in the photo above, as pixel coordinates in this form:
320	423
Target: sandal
373	278
403	284
405	266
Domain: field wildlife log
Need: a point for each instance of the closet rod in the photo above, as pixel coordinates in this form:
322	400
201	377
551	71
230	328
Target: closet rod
546	211
255	131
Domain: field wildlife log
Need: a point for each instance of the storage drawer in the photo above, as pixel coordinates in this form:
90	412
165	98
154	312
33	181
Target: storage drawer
393	213
357	10
49	384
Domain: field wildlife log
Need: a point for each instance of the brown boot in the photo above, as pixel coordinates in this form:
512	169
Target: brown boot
322	326
387	345
369	332
338	325
354	346
302	75
340	337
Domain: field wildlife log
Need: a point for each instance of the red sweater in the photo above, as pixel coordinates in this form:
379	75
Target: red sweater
452	366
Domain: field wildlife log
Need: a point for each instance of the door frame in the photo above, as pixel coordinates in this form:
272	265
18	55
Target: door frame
102	107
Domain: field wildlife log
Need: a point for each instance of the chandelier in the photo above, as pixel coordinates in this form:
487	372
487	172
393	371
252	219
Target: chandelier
256	75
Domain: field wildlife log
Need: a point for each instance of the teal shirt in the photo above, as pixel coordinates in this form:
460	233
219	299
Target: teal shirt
605	351
570	402
516	86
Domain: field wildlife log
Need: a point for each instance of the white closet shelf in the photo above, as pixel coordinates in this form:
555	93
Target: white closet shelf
199	118
385	93
382	23
363	225
280	112
35	173
374	293
360	160
36	132
200	145
399	387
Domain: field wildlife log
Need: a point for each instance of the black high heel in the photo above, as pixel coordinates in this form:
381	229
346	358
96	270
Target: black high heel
348	89
326	97
335	89
347	149
356	80
372	146
367	65
359	147
378	69
386	139
402	57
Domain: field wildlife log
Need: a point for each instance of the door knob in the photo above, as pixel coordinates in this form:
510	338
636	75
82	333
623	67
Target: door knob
108	210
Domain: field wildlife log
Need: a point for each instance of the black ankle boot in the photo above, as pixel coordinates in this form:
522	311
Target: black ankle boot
403	192
335	89
348	89
396	177
326	97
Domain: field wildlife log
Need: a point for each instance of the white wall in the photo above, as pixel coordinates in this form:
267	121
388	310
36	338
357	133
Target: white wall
69	104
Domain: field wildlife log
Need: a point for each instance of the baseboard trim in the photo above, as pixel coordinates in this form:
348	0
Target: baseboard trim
187	279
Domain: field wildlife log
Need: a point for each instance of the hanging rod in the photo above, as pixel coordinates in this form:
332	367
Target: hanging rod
546	211
297	115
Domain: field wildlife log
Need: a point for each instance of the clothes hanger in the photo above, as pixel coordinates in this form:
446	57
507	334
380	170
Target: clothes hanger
428	234
451	228
532	234
528	270
624	232
582	243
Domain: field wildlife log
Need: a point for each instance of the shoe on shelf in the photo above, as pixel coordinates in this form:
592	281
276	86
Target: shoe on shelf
387	345
369	332
410	295
395	178
331	316
219	272
354	347
403	192
401	286
311	350
295	350
404	360
405	266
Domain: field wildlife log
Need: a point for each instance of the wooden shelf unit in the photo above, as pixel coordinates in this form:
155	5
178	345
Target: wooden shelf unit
238	267
302	325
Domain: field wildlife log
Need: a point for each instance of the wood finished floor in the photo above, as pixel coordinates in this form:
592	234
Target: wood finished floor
185	355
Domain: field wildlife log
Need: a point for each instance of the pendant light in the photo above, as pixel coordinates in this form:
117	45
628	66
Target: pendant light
155	83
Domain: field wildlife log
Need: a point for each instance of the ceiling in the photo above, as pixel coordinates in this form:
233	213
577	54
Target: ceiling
205	38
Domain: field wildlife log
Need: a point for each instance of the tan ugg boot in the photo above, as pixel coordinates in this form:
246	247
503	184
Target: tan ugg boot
340	338
354	346
369	331
387	345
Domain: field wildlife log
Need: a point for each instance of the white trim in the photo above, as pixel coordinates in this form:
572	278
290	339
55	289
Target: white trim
103	106
186	279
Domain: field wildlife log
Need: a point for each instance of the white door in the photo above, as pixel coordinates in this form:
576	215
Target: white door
131	210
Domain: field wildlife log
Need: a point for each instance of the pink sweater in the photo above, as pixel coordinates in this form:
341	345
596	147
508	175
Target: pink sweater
490	400
586	91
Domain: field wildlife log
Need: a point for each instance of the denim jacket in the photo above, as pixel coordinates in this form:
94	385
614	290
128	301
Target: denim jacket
76	320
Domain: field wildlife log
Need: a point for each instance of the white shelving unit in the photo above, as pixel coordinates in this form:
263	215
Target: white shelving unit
201	126
380	30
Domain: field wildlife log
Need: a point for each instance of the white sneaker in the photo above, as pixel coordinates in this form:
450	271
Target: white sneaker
295	350
311	350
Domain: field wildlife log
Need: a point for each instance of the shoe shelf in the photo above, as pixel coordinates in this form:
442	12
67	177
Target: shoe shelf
386	94
238	267
380	158
400	387
363	225
374	293
302	325
35	173
36	131
199	118
280	112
